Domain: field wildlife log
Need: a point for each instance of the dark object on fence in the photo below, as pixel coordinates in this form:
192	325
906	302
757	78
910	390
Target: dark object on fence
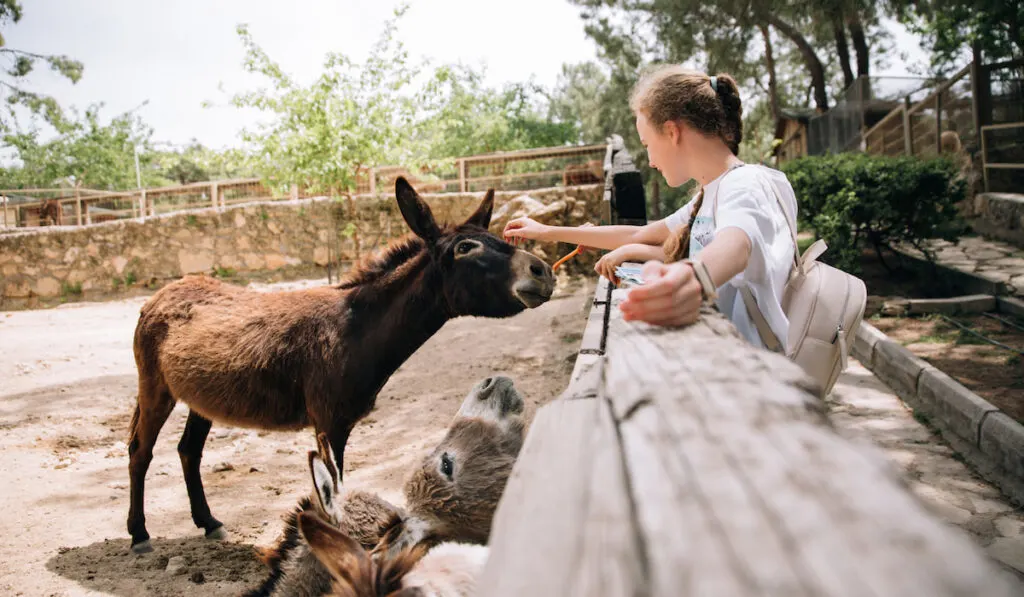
50	213
623	186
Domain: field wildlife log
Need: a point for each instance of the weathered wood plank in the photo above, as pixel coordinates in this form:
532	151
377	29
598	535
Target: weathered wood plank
536	538
741	487
611	560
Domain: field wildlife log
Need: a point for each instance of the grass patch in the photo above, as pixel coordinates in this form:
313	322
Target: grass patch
223	272
191	220
572	337
70	288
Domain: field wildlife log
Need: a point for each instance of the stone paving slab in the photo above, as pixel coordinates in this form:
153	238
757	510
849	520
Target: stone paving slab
992	260
862	406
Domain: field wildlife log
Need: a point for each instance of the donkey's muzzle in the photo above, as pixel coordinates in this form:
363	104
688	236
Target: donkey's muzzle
534	281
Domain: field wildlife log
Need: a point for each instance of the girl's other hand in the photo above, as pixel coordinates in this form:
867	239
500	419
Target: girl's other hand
524	229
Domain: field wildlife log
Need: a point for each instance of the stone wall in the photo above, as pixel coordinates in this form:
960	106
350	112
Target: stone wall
1000	215
70	261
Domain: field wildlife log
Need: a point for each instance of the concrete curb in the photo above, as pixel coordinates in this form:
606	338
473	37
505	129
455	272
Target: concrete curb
1011	305
989	440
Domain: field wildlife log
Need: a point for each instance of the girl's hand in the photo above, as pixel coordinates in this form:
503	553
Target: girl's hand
606	265
670	295
524	228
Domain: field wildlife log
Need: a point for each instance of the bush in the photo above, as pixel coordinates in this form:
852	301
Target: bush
853	199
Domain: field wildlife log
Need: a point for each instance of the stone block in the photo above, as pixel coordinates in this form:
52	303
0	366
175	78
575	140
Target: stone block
1011	305
898	368
953	406
868	336
46	286
975	303
191	262
1002	439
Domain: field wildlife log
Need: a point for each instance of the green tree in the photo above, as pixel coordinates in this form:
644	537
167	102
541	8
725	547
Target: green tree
464	117
85	152
19	66
952	27
196	163
353	116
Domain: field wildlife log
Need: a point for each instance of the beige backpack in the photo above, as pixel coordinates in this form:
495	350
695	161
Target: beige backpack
824	306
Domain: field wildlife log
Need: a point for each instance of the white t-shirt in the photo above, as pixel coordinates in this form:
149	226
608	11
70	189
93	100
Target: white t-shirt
745	201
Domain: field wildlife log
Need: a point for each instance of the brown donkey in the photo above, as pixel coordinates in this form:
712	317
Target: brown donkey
450	496
315	357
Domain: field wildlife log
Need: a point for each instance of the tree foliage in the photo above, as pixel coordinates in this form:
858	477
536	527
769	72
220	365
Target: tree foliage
84	152
383	111
952	27
19	64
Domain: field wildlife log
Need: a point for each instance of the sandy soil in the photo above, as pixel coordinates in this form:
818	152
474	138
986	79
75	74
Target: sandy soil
67	388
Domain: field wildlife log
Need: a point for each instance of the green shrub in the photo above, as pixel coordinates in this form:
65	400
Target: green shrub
856	200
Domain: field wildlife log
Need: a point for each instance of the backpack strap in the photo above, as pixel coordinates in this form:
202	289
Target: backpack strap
771	341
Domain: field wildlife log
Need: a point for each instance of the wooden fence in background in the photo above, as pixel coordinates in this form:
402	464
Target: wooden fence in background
513	170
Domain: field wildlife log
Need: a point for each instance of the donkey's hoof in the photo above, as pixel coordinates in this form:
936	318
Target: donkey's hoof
217	534
142	547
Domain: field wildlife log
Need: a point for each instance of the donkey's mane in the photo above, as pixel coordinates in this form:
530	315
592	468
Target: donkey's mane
379	264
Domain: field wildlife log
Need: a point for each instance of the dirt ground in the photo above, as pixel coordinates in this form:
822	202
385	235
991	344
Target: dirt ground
67	388
995	374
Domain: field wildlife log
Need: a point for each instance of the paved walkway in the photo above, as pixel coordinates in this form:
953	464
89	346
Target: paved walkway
991	259
861	405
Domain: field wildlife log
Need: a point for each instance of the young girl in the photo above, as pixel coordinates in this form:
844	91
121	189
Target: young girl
733	233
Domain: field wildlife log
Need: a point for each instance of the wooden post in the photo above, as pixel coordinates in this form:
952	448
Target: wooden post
462	175
373	181
88	215
4	197
908	142
78	204
142	204
293	192
213	193
223	204
714	474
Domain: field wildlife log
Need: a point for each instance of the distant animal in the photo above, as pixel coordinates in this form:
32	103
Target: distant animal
50	214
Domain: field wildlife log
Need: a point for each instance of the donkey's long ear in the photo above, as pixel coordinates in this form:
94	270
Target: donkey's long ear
325	480
416	212
482	216
343	557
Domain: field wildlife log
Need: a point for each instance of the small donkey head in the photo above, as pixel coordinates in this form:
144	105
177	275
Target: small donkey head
445	570
482	274
454	492
364	517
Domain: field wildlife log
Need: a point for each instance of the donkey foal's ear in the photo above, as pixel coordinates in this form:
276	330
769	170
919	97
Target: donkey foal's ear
416	212
343	557
325	482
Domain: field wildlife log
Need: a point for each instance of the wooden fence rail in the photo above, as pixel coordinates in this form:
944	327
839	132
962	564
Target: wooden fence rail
686	462
512	170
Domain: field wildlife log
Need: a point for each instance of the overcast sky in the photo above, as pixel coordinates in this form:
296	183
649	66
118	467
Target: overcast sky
175	54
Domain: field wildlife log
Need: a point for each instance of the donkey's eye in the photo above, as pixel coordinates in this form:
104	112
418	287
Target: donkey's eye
466	247
447	465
